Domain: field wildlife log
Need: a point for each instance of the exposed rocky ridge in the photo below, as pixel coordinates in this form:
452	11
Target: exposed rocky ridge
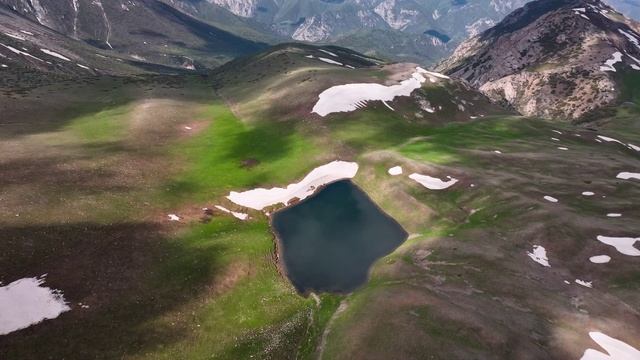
145	30
551	58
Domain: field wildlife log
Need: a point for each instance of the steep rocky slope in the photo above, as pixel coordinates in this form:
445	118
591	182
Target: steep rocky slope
144	30
552	58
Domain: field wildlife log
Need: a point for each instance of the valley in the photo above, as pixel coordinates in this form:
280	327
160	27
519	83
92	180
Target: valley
314	202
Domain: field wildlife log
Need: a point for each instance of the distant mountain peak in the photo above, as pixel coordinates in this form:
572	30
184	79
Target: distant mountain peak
552	58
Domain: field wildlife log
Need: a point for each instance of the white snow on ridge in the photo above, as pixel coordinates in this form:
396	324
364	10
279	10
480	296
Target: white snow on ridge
260	198
55	54
616	349
608	65
588	284
628	175
624	245
396	170
328	52
26	302
432	183
329	61
539	255
610	139
434	74
600	259
550	199
349	97
238	215
20	52
14	36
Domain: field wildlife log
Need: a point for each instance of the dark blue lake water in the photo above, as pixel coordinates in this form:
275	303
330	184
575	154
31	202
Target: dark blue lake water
330	240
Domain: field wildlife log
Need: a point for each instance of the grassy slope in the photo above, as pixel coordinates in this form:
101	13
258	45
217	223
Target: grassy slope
208	288
211	290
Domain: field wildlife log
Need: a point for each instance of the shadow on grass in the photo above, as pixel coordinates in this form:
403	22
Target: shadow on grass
51	108
129	274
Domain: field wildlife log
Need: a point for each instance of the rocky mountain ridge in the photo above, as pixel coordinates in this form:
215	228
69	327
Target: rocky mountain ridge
143	30
404	30
552	58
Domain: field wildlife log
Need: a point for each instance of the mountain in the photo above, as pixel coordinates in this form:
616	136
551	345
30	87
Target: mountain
145	30
407	30
119	200
553	58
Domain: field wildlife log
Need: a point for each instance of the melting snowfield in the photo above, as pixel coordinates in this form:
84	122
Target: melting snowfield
608	65
260	198
600	259
237	215
396	170
539	255
433	183
26	302
628	175
55	54
615	349
624	245
349	97
588	284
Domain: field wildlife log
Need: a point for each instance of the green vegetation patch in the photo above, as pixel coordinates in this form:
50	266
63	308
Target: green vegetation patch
104	126
231	155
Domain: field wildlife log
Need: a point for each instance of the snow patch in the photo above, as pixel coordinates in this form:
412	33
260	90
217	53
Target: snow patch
26	302
349	97
238	215
610	139
628	175
19	52
539	255
588	193
396	170
608	65
616	349
328	52
173	217
600	259
550	199
588	284
55	54
329	61
624	245
260	198
433	183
